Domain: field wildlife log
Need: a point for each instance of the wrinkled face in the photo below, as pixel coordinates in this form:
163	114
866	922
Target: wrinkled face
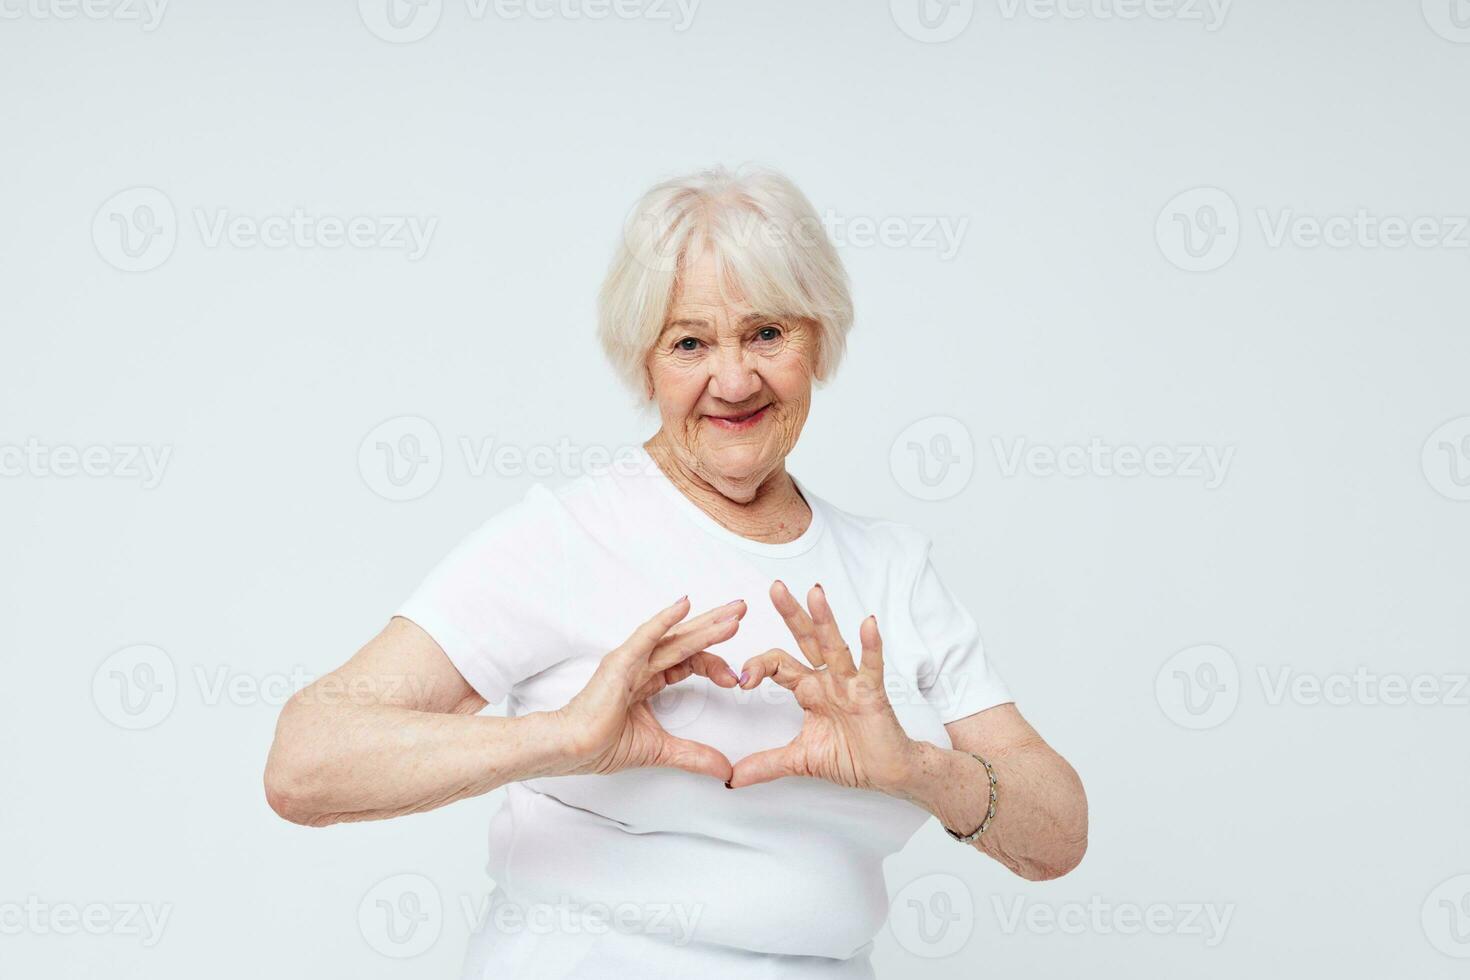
733	383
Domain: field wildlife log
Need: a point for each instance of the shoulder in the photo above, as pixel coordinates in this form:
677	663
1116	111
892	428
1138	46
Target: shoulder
535	520
598	492
591	502
895	542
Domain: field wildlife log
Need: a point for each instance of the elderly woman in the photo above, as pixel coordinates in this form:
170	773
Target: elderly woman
734	826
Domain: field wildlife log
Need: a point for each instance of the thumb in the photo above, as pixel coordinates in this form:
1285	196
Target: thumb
764	766
695	757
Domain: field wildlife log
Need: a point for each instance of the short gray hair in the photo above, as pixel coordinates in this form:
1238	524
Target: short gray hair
767	242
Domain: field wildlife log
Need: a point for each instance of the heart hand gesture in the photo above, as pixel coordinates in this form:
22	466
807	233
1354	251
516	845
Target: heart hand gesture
850	734
609	725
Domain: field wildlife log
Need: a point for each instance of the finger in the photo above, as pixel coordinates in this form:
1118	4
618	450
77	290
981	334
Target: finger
834	651
695	757
646	636
762	767
730	610
797	621
650	688
872	646
705	664
776	664
673	650
734	609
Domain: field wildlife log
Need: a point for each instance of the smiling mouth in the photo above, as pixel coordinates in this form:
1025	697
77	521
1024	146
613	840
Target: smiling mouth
738	422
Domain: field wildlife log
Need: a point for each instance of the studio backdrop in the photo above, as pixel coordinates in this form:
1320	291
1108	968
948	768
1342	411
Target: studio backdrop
1160	335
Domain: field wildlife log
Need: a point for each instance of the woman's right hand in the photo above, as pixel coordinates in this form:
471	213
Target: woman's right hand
609	725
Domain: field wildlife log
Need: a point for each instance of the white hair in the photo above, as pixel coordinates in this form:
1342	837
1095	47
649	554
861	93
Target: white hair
767	243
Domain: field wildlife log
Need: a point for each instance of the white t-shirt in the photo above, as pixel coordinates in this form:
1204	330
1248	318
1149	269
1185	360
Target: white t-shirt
657	867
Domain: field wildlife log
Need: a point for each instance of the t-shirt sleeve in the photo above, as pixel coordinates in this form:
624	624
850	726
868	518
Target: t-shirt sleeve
954	675
494	603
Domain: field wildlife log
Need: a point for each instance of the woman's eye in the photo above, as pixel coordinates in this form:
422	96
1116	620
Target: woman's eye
769	333
687	344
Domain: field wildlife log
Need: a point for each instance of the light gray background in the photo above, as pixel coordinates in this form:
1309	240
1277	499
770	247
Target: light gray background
1332	835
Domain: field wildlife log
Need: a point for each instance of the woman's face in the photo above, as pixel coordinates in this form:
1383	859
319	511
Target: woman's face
733	384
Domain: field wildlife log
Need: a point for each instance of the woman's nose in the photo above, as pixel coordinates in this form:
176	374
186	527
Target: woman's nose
732	379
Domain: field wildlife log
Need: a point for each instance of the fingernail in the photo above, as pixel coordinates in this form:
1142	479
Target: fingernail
680	599
744	676
731	672
726	617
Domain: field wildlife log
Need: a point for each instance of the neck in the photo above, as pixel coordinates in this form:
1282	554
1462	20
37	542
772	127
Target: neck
765	507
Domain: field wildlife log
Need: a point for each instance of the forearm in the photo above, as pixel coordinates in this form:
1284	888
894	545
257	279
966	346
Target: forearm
1040	825
349	762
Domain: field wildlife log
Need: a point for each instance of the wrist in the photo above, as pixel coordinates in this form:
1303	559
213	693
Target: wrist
917	774
550	744
937	777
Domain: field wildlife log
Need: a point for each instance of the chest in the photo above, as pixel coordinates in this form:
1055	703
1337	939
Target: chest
607	603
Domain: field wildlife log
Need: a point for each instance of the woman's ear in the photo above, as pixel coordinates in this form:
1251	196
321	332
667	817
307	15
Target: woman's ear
819	366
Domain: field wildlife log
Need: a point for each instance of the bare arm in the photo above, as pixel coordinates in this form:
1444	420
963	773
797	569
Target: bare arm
851	736
1040	825
395	731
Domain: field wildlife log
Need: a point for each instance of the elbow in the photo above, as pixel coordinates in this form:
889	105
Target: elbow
1067	842
1074	856
281	800
1064	861
291	789
291	801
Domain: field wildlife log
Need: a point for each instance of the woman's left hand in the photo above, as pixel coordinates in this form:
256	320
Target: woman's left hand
850	734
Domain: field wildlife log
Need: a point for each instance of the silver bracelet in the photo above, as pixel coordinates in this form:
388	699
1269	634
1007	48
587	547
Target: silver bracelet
989	812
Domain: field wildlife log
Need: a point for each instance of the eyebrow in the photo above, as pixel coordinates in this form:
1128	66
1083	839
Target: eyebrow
746	320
